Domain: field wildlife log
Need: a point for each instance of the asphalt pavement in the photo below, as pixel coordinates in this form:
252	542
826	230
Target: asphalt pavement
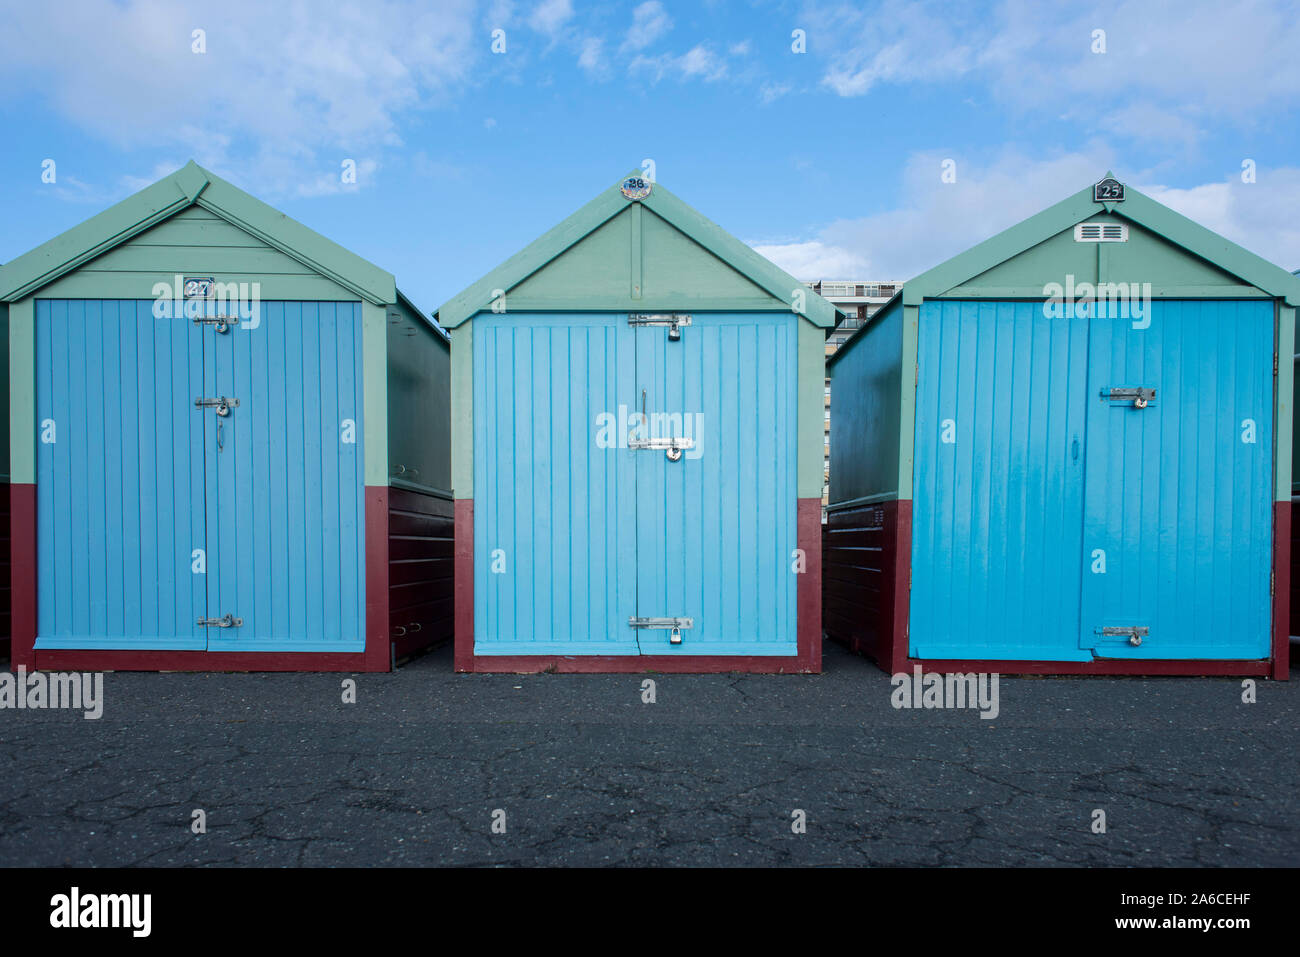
428	767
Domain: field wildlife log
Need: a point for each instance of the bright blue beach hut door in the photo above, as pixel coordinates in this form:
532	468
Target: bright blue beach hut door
715	481
1178	524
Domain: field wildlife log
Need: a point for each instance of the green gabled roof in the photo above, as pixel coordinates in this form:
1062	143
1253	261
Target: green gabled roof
192	186
759	270
1137	208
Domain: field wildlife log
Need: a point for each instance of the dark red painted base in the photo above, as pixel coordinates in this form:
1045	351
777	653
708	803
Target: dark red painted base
375	658
808	660
22	570
1294	571
1108	666
868	604
1281	590
420	571
71	660
864	578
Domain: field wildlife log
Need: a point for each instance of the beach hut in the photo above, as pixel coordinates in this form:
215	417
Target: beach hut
229	445
637	449
1068	449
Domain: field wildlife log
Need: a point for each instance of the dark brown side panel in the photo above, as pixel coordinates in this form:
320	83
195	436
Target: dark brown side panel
860	574
420	570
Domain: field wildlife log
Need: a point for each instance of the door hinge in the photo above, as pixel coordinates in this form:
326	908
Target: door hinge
222	404
673	320
225	621
673	625
1135	633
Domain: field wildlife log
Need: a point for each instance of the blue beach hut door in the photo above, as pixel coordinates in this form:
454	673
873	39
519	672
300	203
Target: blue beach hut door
285	496
1177	517
715	485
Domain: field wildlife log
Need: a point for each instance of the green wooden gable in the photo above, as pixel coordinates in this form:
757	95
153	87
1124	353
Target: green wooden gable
1165	248
621	255
196	214
1179	257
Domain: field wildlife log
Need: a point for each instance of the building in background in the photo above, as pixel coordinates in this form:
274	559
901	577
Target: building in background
858	300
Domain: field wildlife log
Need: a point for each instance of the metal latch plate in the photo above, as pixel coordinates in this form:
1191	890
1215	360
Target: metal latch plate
221	403
1134	633
225	621
1138	396
673	625
671	445
222	323
673	320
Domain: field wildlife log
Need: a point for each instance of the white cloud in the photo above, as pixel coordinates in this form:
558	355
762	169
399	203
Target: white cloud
282	90
550	16
935	220
816	260
699	62
1179	63
1259	216
591	56
649	23
500	14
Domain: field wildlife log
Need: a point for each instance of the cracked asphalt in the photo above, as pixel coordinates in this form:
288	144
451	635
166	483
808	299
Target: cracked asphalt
588	774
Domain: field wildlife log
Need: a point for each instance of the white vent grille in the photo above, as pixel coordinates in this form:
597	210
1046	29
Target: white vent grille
1101	233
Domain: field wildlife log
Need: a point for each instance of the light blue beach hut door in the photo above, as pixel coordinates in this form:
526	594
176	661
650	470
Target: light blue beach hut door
285	485
158	516
715	481
120	518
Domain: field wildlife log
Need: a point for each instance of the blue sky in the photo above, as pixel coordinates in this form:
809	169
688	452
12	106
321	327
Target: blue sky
829	160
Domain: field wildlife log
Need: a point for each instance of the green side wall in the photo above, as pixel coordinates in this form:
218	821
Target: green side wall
866	408
22	393
812	410
462	410
374	362
4	390
419	404
1284	415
